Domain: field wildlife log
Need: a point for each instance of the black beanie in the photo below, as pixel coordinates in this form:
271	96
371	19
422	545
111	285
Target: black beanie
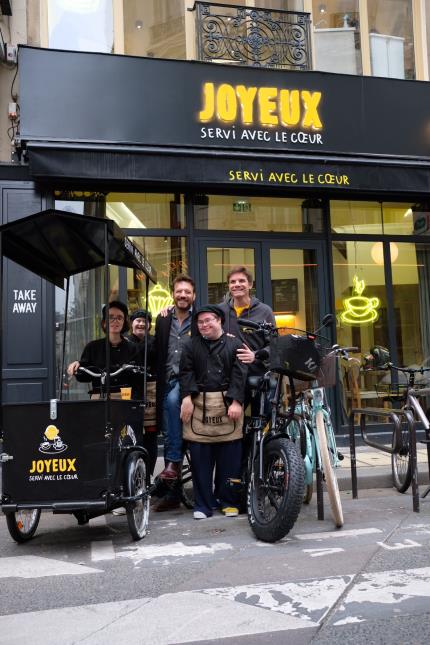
212	309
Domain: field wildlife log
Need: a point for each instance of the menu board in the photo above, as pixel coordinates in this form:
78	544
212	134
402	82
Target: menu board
285	295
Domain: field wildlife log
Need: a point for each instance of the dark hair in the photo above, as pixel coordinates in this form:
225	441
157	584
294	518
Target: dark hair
118	305
240	269
183	277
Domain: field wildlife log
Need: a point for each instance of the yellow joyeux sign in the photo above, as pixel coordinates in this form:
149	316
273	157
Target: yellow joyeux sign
359	310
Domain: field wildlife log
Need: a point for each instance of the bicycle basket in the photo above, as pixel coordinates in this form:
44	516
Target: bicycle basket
295	356
326	376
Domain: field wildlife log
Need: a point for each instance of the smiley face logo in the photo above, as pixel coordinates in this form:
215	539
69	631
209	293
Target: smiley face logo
52	443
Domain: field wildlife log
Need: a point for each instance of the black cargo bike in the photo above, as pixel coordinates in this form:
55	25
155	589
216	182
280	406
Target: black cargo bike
71	456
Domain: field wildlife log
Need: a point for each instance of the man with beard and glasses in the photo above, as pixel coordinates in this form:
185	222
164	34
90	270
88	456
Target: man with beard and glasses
170	332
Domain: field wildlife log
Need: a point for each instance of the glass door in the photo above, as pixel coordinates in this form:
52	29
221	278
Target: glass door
291	278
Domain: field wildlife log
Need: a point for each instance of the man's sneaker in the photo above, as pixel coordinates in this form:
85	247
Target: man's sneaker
199	515
230	511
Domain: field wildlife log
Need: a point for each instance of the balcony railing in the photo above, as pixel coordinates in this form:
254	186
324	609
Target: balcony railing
253	36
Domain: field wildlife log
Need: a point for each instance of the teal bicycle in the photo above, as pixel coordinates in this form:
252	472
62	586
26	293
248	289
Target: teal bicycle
311	428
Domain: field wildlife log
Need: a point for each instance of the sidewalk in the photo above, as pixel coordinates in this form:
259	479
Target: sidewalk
374	468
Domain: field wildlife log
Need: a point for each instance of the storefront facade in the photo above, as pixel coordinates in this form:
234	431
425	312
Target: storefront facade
319	183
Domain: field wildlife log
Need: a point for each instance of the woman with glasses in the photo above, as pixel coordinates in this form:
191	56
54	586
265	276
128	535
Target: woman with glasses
121	350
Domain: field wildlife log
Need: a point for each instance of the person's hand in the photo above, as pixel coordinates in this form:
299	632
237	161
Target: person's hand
72	368
234	410
187	409
165	311
246	355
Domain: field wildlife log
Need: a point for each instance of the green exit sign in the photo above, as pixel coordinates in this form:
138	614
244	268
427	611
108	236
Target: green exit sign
241	206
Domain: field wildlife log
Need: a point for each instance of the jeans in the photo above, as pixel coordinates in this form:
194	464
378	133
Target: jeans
172	424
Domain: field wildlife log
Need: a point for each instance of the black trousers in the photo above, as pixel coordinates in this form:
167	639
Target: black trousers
225	459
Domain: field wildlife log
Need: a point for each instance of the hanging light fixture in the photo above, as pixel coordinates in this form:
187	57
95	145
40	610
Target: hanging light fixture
377	253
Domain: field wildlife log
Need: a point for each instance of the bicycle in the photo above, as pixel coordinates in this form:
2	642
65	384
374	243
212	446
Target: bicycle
408	395
312	430
273	472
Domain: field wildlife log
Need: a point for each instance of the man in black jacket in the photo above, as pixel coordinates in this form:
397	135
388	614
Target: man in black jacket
170	333
212	382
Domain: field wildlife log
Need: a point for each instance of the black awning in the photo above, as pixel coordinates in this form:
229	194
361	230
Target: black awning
57	244
101	167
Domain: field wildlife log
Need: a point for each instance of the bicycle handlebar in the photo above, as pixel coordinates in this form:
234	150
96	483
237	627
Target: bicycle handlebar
135	369
268	329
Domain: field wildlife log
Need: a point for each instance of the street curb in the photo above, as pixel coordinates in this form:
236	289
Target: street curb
373	477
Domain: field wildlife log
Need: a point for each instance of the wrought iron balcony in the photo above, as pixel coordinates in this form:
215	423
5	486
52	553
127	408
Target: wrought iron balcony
253	36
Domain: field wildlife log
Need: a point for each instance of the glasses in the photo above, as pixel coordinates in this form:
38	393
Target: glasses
114	318
206	321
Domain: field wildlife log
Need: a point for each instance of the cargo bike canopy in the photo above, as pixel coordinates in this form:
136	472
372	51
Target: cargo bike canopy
57	244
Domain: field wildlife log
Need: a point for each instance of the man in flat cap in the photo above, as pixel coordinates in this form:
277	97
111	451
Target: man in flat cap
212	386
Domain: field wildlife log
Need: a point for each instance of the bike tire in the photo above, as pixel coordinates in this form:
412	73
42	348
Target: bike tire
274	502
23	524
401	465
137	483
186	491
300	443
328	470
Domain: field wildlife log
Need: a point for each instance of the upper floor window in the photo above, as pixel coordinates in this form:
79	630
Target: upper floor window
82	25
391	38
155	28
336	32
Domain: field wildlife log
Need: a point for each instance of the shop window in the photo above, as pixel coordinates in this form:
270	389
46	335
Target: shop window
155	28
391	38
168	256
336	31
362	319
86	25
406	219
356	217
411	293
219	212
145	210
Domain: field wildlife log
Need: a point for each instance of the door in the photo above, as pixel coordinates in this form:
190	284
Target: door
290	277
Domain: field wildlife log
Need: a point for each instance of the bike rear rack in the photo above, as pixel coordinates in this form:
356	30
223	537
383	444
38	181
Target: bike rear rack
398	418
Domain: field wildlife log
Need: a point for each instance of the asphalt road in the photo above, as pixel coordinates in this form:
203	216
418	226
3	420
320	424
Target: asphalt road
211	581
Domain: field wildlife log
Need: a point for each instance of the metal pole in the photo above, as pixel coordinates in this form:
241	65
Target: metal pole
63	349
352	454
107	326
1	335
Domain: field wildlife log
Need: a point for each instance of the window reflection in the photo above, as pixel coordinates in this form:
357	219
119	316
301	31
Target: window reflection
336	31
391	38
84	25
168	256
155	28
257	214
362	318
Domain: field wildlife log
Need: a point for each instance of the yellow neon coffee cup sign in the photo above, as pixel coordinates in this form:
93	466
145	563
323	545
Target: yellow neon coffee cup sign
359	310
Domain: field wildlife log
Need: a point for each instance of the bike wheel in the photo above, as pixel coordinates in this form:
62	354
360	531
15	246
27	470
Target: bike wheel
138	511
186	483
275	498
298	434
23	524
401	464
328	470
